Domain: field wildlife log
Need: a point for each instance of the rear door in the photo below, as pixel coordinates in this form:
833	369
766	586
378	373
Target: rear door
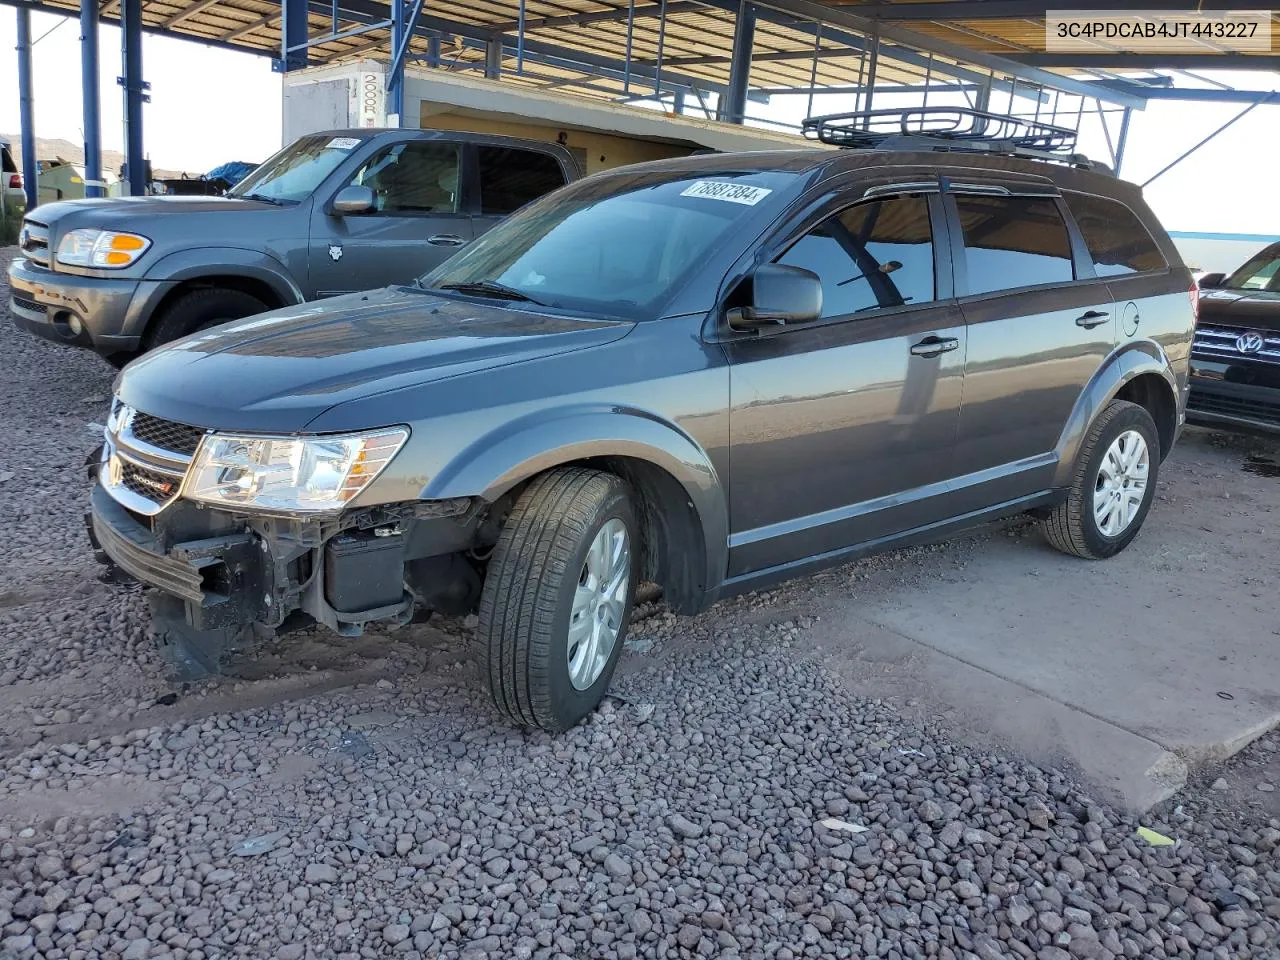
419	219
1039	323
508	177
842	429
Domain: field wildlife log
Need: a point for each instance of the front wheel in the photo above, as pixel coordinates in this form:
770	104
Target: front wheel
557	598
1113	486
200	309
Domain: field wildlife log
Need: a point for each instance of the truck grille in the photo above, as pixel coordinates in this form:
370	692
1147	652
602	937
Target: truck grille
1228	343
150	484
165	434
34	241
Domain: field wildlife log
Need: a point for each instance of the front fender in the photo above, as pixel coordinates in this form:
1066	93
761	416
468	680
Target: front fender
201	262
500	460
1130	361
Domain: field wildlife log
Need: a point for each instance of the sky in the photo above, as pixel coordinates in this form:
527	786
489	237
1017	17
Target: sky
211	106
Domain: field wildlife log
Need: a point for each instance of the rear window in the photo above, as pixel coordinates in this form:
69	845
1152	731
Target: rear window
1013	242
6	161
510	178
1116	238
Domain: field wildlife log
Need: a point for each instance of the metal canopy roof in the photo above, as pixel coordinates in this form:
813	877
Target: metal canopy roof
581	45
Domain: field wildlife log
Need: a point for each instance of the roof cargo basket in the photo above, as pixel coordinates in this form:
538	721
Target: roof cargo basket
951	129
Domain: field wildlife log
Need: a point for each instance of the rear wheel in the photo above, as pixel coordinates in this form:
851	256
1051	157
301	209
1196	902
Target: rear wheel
1113	486
198	310
557	598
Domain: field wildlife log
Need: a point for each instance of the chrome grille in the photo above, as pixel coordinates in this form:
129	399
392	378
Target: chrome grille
145	459
165	434
34	241
1222	343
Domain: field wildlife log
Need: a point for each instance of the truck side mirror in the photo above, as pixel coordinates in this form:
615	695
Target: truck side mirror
352	199
1211	280
780	294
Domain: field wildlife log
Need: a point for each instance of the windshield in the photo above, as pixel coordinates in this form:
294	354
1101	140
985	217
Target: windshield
1260	273
617	244
298	169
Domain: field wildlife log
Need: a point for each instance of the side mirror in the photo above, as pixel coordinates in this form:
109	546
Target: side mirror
779	294
1211	280
352	199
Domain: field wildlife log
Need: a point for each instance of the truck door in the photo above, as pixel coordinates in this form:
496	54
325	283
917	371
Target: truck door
418	220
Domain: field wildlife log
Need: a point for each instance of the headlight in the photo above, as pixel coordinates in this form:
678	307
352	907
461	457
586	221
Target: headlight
101	248
289	474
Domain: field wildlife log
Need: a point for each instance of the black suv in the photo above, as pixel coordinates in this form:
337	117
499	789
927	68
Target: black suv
713	373
1235	361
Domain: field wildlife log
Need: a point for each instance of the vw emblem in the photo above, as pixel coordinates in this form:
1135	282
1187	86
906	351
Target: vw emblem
115	470
1250	342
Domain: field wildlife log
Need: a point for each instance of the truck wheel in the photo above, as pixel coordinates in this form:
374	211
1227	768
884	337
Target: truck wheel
1114	484
557	598
198	310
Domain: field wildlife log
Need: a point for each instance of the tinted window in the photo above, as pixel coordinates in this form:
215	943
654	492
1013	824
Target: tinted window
417	177
1013	242
1116	238
877	254
511	178
6	161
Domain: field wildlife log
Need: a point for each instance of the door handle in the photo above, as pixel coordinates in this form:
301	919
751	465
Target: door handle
1092	318
934	346
446	240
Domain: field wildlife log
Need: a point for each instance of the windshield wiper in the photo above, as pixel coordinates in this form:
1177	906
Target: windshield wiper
262	198
491	288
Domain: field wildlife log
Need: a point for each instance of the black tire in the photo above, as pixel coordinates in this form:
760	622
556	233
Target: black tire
1072	526
198	310
528	592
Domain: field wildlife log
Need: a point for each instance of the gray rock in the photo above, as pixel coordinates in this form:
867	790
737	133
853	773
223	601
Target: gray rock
394	933
683	827
320	873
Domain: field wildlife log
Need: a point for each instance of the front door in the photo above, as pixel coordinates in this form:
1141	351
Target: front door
842	429
417	222
1039	325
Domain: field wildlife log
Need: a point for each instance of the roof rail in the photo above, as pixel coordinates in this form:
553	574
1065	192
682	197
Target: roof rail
949	129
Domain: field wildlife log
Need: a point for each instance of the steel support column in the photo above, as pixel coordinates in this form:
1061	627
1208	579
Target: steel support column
89	88
493	58
734	106
433	50
395	73
873	61
1120	140
135	94
293	35
29	175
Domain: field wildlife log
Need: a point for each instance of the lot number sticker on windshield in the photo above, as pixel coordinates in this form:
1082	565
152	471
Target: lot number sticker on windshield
343	143
731	192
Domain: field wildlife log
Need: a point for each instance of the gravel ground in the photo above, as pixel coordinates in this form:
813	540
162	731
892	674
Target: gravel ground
331	799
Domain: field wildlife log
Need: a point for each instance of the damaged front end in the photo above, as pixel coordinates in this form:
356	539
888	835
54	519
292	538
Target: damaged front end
224	574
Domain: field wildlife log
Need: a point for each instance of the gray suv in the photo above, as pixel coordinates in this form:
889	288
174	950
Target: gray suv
332	213
713	373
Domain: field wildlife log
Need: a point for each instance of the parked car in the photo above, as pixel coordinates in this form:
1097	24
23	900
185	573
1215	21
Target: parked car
11	190
1235	361
714	373
332	213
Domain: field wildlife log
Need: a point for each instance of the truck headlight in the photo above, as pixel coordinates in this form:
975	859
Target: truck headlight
289	474
101	248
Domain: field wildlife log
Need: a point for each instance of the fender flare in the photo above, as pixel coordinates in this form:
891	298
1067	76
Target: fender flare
495	463
201	262
1126	364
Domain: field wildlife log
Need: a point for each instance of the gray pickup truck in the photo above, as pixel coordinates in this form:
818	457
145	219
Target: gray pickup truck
332	213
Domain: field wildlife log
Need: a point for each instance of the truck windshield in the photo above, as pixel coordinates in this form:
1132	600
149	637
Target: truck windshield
295	171
617	244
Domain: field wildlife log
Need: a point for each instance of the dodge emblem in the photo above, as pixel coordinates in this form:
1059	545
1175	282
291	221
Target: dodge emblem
1250	342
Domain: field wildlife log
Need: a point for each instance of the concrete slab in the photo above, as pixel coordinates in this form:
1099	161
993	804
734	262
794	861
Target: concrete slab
1129	668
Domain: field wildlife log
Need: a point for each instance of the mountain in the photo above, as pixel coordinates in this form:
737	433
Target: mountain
47	149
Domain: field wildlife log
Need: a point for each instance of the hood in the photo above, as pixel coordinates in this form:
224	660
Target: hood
1255	309
278	371
126	212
